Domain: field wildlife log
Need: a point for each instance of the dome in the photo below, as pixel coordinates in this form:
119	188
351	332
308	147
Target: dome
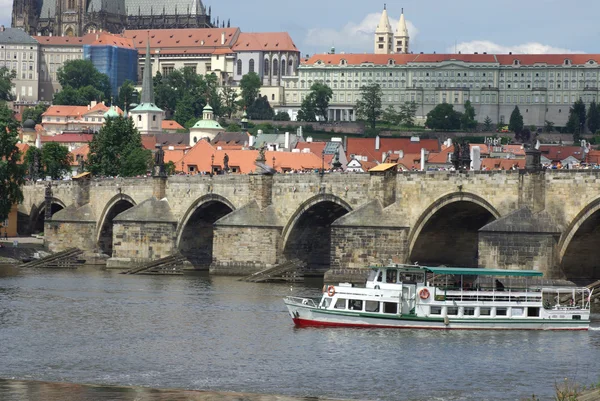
207	124
111	113
207	108
29	124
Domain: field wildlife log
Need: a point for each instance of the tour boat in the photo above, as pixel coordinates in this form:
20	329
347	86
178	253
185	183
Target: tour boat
419	297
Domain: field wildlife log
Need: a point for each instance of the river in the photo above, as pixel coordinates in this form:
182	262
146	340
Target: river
218	334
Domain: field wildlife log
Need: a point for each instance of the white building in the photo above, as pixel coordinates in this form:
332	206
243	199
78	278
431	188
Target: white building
19	52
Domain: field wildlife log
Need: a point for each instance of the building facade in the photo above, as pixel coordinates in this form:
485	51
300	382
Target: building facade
386	40
19	52
543	86
78	17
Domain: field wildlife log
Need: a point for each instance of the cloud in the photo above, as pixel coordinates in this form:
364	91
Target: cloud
357	37
481	46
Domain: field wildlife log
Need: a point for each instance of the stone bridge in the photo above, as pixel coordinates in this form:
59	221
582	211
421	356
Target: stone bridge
238	224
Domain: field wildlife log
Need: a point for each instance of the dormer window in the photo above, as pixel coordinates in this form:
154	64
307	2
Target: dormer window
343	62
391	62
567	62
516	62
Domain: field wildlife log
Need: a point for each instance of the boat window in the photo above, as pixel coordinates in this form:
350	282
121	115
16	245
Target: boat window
452	311
517	311
326	302
500	311
576	317
372	306
355	304
372	275
340	303
390	307
485	311
436	310
533	312
390	276
379	276
469	311
412	278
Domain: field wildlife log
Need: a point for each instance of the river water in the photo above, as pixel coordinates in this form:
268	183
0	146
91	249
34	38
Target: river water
219	334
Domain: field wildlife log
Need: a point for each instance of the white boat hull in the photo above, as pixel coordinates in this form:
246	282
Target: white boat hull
311	316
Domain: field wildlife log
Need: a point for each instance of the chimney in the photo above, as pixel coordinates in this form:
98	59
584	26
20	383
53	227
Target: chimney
251	140
287	140
401	154
423	159
309	139
383	156
377	142
476	158
222	38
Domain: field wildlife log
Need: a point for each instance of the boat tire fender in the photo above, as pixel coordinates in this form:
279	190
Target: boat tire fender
331	290
424	293
446	320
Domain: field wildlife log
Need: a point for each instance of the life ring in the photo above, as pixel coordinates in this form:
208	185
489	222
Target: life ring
331	290
424	293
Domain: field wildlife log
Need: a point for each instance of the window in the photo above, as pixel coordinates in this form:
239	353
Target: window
436	310
371	306
153	118
390	307
275	68
355	304
139	118
501	311
273	96
340	304
485	311
390	276
251	65
452	310
239	67
469	311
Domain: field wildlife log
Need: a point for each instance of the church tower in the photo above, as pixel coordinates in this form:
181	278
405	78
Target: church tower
401	38
384	35
147	117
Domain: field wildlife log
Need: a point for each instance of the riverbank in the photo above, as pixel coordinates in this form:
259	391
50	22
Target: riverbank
25	247
15	390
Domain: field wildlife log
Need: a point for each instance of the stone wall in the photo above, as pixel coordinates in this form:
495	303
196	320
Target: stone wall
59	236
139	243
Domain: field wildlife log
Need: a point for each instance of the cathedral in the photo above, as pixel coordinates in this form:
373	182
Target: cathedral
78	17
386	40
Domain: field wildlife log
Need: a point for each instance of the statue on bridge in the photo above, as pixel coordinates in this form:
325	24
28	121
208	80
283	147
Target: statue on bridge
226	163
159	161
461	158
48	201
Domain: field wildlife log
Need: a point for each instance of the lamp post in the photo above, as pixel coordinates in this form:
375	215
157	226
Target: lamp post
273	161
323	163
212	162
182	167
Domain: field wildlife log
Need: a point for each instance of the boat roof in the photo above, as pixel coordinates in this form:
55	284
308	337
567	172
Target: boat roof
469	271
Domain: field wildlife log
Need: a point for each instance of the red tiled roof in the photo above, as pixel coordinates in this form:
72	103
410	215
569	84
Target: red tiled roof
94	39
171	125
558	153
314	147
265	41
366	147
68	138
502	164
175	41
23	147
76	111
502	59
440	157
148	141
80	151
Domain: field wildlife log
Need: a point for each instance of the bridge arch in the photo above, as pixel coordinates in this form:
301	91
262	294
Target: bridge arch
195	232
446	233
104	231
578	247
38	215
307	235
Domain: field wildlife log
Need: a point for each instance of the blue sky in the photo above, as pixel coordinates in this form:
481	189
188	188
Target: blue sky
521	26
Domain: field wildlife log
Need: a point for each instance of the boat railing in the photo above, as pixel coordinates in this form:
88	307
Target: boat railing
488	295
302	301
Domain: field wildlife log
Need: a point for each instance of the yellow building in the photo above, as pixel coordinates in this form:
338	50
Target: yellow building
8	227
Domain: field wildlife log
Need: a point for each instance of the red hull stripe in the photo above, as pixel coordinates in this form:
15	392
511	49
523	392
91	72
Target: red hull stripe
314	323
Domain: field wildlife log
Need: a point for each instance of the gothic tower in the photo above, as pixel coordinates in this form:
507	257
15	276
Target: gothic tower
24	15
401	38
384	34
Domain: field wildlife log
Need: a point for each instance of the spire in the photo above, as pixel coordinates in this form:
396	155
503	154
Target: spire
384	23
147	87
402	30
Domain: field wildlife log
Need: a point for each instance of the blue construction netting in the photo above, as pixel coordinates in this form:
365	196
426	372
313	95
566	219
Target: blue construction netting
118	63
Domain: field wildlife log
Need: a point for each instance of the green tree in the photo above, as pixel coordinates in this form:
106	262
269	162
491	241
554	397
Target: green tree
579	109
34	113
170	168
261	109
516	121
12	173
33	163
548	126
127	95
56	160
81	73
282	116
487	124
391	115
593	117
233	128
250	87
408	112
443	117
186	109
69	96
307	110
117	150
467	120
6	84
165	95
369	106
229	100
320	94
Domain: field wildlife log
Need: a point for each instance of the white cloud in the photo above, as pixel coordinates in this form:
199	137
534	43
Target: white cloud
481	46
353	37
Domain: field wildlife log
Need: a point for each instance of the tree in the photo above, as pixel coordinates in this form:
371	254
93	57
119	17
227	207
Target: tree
170	168
186	109
467	120
81	73
593	117
369	106
33	163
282	116
523	136
12	174
233	128
407	114
56	160
229	100
321	94
261	109
69	96
34	113
307	110
127	95
516	121
391	115
117	150
548	126
250	87
443	117
6	84
579	109
487	124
